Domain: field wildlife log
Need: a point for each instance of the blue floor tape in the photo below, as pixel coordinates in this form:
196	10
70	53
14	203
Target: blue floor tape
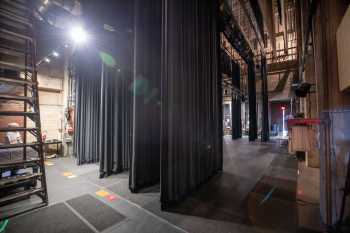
267	197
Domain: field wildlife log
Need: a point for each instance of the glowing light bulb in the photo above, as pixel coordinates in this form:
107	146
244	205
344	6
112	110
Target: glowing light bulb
78	35
55	54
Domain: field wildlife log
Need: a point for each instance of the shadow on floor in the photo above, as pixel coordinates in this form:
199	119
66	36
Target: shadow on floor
272	204
152	189
269	203
220	199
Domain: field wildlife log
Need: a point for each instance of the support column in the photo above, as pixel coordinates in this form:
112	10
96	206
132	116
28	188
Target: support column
265	135
253	129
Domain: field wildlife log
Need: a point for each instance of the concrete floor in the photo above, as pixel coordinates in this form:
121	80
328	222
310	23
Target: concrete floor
256	192
308	196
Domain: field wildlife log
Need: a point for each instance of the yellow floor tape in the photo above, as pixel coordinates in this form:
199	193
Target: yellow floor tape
49	163
67	173
102	193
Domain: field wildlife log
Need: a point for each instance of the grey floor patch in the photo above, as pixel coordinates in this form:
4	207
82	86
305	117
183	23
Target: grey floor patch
142	199
53	219
97	213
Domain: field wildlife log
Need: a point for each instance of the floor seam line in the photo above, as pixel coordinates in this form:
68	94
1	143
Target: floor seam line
140	207
81	218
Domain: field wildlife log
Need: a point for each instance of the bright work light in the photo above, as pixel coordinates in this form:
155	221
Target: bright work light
78	35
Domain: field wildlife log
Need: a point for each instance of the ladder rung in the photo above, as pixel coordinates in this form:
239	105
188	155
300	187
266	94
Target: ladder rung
12	40
13	180
19	163
13	51
15	129
18	145
16	5
13	10
21	1
17	81
11	16
21	36
16	113
10	65
17	98
13	197
13	26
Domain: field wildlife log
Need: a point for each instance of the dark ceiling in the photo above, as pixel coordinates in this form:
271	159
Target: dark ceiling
117	13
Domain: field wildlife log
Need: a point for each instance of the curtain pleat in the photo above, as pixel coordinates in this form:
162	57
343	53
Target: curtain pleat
253	127
191	137
104	76
265	132
236	103
87	104
145	162
112	157
103	114
127	118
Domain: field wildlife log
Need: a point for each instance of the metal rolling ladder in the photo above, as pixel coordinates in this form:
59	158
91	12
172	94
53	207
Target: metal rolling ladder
18	74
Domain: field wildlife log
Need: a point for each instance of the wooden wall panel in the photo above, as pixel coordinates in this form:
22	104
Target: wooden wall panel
343	49
328	18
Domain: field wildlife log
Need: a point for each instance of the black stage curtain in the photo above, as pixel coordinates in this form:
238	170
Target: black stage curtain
145	162
253	128
104	86
112	157
127	117
236	102
191	98
265	132
103	113
116	104
87	74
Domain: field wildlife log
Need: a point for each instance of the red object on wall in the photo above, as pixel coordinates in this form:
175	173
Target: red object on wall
306	121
